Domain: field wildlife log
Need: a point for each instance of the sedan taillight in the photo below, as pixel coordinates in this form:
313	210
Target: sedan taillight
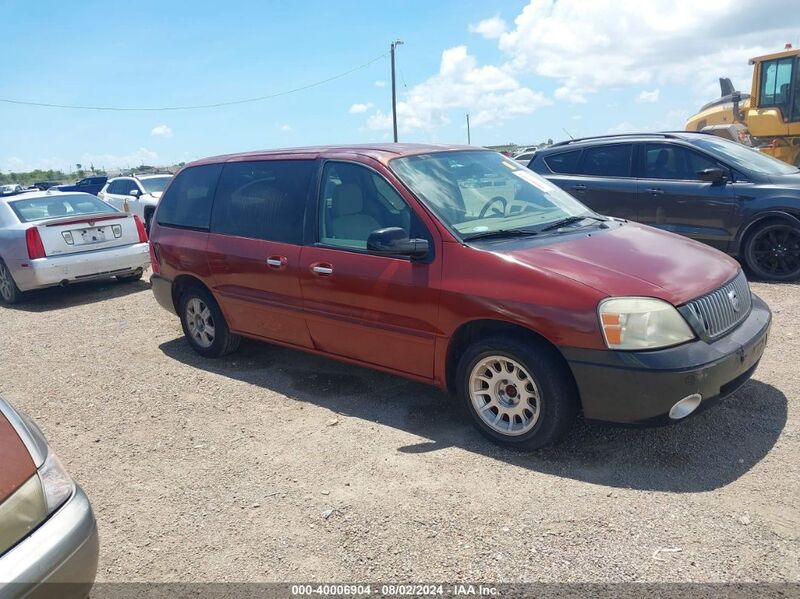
34	242
140	229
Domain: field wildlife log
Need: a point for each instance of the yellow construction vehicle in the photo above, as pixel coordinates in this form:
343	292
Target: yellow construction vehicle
769	117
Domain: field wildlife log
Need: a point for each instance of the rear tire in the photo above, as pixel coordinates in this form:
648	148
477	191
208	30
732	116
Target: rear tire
9	292
204	325
772	251
519	392
131	278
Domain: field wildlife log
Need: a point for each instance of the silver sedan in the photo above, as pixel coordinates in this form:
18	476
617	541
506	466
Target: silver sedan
50	238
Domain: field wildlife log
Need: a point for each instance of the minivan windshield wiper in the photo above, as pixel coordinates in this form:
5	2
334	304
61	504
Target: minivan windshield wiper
571	220
500	233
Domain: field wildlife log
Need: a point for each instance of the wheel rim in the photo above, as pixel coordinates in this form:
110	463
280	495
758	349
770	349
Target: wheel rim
200	322
6	289
504	395
776	251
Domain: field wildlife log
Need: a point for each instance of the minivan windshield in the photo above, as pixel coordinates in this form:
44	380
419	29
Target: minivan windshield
744	157
480	192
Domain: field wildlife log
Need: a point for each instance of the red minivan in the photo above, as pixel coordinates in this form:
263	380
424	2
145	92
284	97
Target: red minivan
458	267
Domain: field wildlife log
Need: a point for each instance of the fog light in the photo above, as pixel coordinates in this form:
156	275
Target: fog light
685	406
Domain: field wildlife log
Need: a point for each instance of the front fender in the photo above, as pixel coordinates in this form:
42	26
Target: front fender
757	218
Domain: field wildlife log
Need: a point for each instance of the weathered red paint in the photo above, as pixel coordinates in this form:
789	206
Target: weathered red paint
399	315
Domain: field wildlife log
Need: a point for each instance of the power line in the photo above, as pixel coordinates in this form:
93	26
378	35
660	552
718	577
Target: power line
197	106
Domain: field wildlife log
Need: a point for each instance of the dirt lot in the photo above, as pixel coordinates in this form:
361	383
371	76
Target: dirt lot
274	465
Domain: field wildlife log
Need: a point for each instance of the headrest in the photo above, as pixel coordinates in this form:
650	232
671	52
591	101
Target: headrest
347	199
56	209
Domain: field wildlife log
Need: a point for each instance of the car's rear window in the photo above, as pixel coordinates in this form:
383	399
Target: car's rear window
564	163
57	206
187	201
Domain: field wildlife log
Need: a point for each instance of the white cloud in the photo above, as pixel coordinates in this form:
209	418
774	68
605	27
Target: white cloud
623	127
358	108
113	161
489	93
490	28
19	165
161	131
649	96
588	46
380	83
285	127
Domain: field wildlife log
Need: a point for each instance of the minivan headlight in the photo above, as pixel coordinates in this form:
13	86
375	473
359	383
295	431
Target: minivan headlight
641	323
57	486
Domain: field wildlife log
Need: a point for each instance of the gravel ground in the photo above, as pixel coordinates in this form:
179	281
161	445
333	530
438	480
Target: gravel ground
274	465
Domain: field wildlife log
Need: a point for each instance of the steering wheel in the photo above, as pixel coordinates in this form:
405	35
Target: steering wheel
495	211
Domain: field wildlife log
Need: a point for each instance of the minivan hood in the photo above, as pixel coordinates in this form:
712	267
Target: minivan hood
631	260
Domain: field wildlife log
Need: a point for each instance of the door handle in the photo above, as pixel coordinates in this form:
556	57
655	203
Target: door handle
579	187
276	261
656	191
322	269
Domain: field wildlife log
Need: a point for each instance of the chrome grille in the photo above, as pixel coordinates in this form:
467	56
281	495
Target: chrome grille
716	313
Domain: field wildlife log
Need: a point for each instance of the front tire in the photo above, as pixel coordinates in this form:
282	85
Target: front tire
9	292
519	392
204	325
772	251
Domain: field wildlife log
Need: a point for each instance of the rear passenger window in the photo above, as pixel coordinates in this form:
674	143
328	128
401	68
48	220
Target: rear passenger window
263	200
607	161
565	163
187	202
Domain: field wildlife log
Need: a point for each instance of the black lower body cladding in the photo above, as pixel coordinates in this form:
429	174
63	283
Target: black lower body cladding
643	386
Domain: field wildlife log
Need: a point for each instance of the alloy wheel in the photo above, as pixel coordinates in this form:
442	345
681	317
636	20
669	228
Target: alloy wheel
504	395
776	251
200	322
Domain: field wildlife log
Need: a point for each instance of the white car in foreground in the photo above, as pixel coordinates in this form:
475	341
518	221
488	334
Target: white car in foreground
50	238
138	195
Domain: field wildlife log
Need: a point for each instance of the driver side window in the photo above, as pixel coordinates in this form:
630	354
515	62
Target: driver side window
355	201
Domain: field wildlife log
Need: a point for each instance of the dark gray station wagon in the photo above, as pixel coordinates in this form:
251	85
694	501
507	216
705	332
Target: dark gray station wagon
727	195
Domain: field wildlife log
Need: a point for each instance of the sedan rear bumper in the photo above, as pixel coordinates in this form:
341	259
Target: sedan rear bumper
85	266
59	559
643	386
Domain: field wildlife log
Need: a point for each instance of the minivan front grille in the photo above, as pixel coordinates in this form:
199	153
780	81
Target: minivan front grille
714	314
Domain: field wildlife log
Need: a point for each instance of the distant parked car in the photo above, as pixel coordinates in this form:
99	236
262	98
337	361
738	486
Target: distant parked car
52	238
91	185
10	190
136	194
48	533
525	156
45	185
722	193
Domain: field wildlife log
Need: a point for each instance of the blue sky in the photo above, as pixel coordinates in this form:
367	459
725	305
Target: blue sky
524	70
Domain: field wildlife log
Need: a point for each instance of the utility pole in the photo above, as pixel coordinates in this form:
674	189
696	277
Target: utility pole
469	140
395	43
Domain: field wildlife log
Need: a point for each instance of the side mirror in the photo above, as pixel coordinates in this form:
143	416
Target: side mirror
393	241
134	193
712	175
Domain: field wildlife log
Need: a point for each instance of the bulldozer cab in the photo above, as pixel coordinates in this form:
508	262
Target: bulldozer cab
776	84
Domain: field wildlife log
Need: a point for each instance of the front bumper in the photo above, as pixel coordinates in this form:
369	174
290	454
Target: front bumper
85	266
641	387
59	559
